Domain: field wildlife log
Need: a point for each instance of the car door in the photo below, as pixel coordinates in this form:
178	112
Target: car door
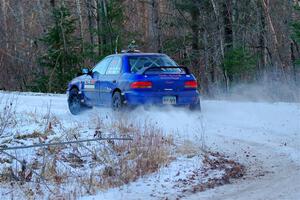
110	79
92	84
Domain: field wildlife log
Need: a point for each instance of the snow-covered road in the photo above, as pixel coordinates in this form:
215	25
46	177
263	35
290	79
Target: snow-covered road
263	136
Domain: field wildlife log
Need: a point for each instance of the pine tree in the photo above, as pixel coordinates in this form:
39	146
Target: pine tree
63	58
109	26
239	63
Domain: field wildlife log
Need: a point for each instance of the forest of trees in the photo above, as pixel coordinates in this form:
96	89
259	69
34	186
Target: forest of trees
44	43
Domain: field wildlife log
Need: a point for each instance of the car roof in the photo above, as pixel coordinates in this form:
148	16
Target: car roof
142	54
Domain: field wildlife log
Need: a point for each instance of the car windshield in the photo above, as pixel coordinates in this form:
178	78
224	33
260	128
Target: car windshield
137	63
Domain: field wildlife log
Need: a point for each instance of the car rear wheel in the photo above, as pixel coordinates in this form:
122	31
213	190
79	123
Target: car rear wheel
117	103
74	102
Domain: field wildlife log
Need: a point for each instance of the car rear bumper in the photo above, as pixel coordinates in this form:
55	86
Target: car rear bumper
144	97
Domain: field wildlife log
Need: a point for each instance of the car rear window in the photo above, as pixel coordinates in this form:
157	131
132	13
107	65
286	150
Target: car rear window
137	63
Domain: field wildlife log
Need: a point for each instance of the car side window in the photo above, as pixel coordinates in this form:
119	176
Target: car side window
114	66
101	67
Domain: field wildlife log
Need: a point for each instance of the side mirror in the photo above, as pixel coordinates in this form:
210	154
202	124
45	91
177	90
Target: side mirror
85	71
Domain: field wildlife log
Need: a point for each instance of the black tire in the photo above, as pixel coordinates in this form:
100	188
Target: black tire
196	107
117	102
74	102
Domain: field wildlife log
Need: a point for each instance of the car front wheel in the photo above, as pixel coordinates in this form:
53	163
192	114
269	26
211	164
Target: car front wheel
74	102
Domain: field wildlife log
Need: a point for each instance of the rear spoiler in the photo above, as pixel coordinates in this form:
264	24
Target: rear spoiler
145	69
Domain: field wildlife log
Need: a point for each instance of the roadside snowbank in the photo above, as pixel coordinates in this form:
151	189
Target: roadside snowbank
265	137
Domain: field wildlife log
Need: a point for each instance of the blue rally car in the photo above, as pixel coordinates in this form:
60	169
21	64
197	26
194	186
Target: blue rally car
132	79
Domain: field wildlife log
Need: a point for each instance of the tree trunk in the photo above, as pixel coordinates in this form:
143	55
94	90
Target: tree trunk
228	37
102	26
293	44
154	26
52	3
89	5
228	32
4	13
195	14
217	14
100	39
261	26
293	59
80	24
41	17
277	57
234	20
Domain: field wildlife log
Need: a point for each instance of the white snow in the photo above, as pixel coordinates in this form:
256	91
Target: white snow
165	183
263	136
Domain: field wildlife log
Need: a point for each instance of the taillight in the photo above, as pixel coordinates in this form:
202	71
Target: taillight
191	84
141	84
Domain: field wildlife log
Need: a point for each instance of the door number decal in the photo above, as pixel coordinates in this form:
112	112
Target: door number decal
90	84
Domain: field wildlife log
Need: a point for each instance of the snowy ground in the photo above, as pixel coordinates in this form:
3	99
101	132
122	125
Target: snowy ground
265	137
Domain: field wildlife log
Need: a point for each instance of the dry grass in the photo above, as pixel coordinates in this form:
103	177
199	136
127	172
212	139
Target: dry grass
92	166
34	134
216	161
7	115
148	151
